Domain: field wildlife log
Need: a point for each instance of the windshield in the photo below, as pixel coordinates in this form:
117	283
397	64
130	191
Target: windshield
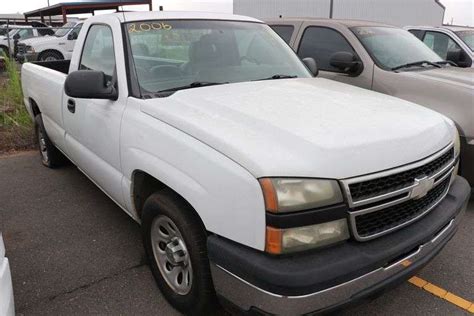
392	47
172	54
66	28
12	32
467	37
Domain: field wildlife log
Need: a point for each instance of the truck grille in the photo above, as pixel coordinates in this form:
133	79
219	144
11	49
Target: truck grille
381	203
377	222
21	48
371	188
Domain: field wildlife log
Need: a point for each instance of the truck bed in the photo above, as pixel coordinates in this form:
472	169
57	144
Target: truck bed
59	65
43	85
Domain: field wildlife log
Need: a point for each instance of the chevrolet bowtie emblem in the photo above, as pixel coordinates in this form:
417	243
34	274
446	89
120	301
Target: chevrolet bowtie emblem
422	187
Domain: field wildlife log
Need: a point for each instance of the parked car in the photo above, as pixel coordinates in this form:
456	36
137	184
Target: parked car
17	33
50	48
452	43
7	306
389	60
279	192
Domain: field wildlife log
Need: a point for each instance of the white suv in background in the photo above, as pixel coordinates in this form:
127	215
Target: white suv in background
51	48
453	43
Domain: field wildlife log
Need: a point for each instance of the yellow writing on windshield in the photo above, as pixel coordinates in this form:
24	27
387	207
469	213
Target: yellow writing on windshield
148	26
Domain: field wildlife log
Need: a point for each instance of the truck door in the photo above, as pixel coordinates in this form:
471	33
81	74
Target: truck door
92	125
321	42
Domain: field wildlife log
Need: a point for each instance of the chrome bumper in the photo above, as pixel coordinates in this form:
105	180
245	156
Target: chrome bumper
247	296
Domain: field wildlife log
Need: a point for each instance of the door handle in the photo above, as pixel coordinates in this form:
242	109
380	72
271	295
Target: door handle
71	105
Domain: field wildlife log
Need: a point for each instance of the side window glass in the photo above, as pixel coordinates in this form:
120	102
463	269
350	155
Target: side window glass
98	52
25	33
440	43
285	31
417	33
75	32
321	43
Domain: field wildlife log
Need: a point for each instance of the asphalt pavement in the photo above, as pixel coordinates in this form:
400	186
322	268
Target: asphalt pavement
73	252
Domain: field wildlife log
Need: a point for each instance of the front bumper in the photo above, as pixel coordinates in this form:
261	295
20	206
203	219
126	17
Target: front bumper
7	306
467	160
23	58
330	278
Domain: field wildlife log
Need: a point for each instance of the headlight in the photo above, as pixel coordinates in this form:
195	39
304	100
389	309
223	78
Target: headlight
291	195
457	143
29	49
288	240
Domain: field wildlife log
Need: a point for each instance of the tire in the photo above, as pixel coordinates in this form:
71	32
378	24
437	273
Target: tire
4	51
51	157
51	56
195	295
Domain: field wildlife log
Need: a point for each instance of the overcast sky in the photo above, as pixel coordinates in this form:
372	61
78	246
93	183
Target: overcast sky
458	11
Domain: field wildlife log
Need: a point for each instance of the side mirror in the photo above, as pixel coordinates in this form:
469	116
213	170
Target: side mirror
459	57
89	84
346	62
72	36
311	65
16	36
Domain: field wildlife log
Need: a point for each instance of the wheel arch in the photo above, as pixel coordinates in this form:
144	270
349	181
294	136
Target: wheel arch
50	51
5	48
34	108
144	185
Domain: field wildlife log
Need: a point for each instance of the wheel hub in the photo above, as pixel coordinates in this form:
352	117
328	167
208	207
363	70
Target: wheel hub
171	255
176	252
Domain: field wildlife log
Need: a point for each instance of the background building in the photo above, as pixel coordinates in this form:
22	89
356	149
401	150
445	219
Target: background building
396	12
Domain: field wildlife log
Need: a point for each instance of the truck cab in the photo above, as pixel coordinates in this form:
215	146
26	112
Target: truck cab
453	43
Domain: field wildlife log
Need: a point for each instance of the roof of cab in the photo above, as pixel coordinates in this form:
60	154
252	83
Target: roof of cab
347	23
177	15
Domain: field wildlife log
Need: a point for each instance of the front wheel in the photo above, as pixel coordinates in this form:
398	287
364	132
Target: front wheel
175	245
50	56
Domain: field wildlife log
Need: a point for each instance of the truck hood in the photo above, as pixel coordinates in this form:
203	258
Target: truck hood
462	77
305	127
39	40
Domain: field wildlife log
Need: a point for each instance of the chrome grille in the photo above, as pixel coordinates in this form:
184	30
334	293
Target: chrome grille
383	202
370	224
21	48
371	188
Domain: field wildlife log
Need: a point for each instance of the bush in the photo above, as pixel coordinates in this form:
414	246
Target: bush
16	126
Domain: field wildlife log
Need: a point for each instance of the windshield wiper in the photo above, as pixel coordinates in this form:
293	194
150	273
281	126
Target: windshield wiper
446	62
417	63
277	76
196	84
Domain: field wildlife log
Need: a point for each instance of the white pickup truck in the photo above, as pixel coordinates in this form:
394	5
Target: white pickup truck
254	182
49	48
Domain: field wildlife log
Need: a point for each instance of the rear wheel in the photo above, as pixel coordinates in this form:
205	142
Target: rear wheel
50	56
51	157
175	245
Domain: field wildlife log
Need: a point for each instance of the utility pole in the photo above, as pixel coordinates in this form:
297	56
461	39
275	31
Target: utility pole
50	21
